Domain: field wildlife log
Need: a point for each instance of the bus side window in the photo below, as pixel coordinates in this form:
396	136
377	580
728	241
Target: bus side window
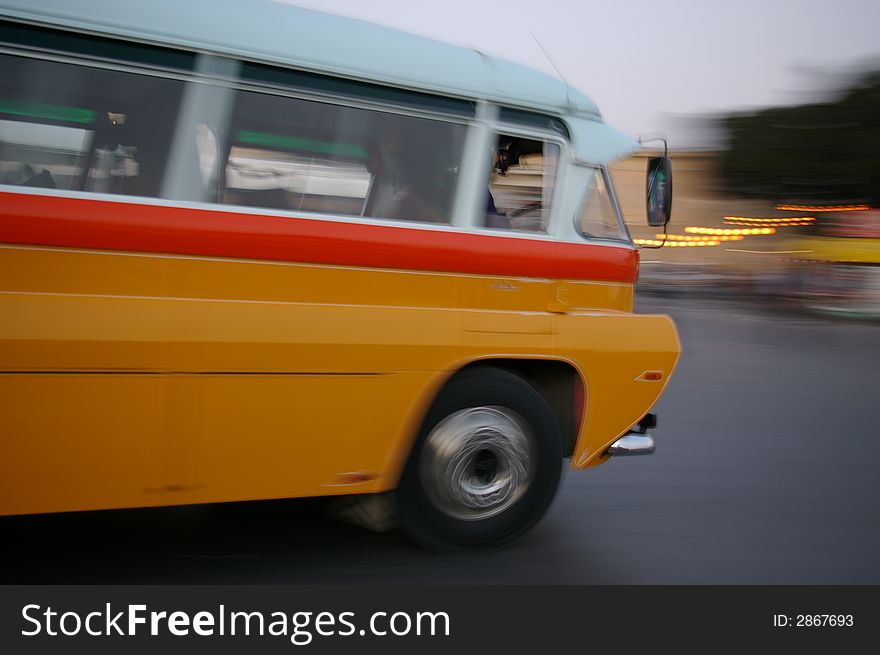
296	154
44	133
522	184
75	127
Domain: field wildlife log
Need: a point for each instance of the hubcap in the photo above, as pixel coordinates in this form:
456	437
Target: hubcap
478	462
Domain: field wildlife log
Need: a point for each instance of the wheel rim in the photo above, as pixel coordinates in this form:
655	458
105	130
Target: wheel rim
478	462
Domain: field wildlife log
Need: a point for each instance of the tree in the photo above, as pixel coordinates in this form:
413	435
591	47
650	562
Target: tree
814	153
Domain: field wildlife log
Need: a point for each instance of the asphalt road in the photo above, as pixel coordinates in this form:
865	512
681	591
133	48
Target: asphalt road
767	471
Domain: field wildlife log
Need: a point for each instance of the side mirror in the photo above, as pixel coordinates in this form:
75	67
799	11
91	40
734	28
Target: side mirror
659	191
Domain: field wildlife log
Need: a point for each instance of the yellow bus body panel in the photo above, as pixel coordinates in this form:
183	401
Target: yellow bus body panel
131	380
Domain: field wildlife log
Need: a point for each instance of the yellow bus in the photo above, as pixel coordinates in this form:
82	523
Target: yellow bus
249	251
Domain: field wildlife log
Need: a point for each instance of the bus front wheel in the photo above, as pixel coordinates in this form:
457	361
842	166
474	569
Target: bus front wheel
485	466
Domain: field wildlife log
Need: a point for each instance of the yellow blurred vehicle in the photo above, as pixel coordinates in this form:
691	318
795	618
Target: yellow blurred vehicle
307	256
838	266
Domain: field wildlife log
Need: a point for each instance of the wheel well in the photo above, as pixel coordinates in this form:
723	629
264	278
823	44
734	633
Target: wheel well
557	382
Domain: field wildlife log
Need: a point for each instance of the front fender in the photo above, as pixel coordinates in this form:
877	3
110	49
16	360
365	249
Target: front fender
625	361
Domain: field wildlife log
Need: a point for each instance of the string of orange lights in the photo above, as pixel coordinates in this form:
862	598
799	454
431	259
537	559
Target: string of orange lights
676	244
791	221
713	236
708	236
827	208
715	231
688	237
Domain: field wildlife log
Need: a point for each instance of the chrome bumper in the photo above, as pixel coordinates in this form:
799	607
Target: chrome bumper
632	443
637	441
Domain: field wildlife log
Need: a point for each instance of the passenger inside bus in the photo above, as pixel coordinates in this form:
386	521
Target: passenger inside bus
410	180
494	217
521	184
402	184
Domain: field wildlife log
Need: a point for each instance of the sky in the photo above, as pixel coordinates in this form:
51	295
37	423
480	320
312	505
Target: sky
651	66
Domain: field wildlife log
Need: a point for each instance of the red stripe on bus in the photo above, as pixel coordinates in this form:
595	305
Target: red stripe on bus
134	227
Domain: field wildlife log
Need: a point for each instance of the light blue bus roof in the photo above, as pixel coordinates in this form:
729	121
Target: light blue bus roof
276	32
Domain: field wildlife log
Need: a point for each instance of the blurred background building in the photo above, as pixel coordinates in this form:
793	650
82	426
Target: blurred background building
786	210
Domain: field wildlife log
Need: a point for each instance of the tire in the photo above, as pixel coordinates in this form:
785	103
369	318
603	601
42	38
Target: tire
485	466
